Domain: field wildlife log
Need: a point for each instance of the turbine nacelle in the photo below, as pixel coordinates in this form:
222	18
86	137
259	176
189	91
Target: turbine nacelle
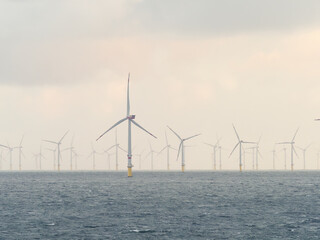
131	117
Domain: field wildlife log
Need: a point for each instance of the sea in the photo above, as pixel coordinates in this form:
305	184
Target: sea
160	205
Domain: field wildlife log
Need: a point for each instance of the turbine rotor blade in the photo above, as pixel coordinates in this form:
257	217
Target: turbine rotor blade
111	147
122	149
236	132
175	133
162	149
294	136
50	141
210	145
21	140
116	124
135	123
234	149
128	100
192	137
63	136
179	150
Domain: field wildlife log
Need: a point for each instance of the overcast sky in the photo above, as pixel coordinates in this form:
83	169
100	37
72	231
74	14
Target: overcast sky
197	66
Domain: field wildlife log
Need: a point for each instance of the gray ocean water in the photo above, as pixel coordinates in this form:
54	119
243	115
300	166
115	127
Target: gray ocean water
160	205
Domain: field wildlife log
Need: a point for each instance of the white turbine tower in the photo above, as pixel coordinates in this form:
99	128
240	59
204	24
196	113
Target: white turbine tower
58	148
304	150
168	147
181	147
292	147
285	158
130	119
240	148
214	153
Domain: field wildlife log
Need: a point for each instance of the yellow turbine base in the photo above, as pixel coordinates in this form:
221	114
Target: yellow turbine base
291	167
240	168
129	172
117	168
182	168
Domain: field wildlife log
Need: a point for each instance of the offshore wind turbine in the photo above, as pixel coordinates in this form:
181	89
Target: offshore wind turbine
58	147
20	152
181	147
258	153
304	150
71	148
54	156
151	155
292	147
117	147
130	119
214	153
274	156
108	158
240	142
139	155
285	157
10	152
93	154
168	147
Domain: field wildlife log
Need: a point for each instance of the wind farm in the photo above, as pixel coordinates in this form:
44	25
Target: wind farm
157	119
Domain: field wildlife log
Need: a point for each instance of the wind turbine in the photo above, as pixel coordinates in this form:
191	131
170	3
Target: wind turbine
181	147
93	154
151	154
10	151
292	147
168	147
58	147
214	148
304	154
20	152
274	156
285	158
258	153
139	155
117	147
108	158
130	119
71	151
240	148
54	157
76	155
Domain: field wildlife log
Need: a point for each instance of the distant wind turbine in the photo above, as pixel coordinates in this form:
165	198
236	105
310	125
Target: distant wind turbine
240	142
304	150
258	153
139	155
93	154
58	148
214	153
292	147
130	119
168	147
54	156
117	147
151	155
10	152
20	152
274	156
181	147
71	148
